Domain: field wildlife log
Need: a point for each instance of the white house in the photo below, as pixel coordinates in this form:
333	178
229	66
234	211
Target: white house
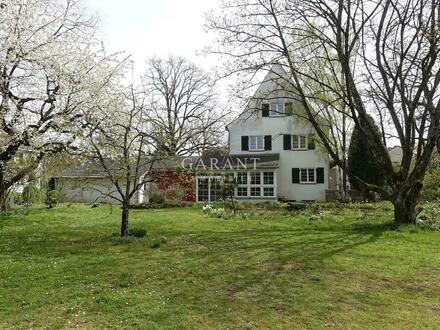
282	161
272	156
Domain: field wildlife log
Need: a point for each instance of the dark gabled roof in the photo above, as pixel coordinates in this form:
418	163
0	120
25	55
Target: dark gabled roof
94	169
224	162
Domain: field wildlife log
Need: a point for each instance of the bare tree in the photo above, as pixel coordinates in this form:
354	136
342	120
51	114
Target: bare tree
120	143
185	118
52	69
381	57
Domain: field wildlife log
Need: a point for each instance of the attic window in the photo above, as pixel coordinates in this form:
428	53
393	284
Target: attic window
276	109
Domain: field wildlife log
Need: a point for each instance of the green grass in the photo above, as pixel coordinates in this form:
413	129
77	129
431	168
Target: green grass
65	268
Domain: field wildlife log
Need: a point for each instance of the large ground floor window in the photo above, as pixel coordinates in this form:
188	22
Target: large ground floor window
208	188
250	184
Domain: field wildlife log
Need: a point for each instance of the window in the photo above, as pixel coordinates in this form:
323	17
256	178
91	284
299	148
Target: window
215	189
276	109
299	142
242	178
255	191
249	185
203	190
242	191
256	184
268	177
208	188
268	192
256	143
255	178
307	175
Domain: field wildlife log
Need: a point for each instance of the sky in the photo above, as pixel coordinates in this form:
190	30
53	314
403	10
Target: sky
146	28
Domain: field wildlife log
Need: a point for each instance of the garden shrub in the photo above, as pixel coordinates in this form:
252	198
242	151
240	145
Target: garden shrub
430	216
52	198
18	198
222	204
174	194
31	194
431	187
156	196
213	212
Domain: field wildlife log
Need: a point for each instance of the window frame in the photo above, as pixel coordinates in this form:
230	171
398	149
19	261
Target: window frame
308	181
255	187
257	138
264	191
272	177
248	186
298	142
278	112
257	175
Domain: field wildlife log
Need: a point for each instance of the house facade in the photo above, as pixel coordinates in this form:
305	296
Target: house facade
272	155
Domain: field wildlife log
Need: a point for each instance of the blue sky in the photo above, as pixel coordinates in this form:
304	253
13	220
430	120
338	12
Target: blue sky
146	28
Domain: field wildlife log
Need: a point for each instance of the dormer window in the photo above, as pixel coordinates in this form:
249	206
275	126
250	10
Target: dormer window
276	109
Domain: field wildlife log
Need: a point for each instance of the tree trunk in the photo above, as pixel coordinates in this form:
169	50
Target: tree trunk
124	222
233	203
405	206
3	194
3	203
344	183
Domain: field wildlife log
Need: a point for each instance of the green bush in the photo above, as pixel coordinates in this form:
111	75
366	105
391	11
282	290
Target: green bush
156	196
175	194
31	194
221	204
52	198
18	198
431	188
429	216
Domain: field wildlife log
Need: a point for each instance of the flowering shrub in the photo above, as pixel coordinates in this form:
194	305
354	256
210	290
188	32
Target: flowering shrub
207	209
220	213
430	216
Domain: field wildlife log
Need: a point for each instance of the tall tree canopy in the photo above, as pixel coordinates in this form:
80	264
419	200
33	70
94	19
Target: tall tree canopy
53	70
377	57
185	116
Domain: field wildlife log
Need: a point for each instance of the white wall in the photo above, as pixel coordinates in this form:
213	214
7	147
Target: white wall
79	190
252	123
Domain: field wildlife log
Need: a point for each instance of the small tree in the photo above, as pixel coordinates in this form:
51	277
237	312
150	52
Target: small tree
119	142
228	185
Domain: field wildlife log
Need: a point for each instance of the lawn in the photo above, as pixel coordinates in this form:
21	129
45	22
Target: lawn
65	268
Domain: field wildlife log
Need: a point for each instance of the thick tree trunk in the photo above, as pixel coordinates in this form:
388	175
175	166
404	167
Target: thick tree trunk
124	222
405	206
